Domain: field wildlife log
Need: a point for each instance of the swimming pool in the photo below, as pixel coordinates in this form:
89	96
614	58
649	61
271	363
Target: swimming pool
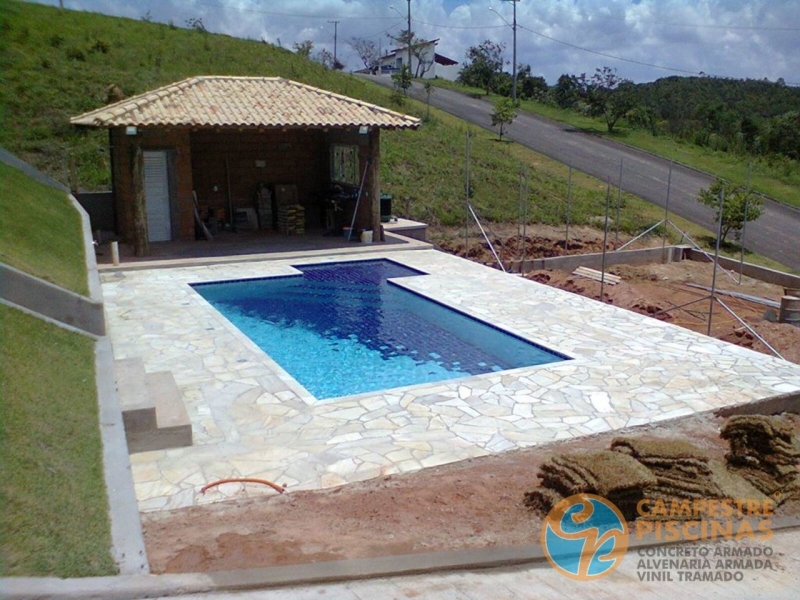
344	328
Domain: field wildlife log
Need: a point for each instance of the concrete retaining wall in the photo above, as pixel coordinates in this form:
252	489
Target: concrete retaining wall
756	272
46	299
649	256
595	261
774	405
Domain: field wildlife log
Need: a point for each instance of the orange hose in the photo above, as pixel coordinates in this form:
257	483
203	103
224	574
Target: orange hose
278	488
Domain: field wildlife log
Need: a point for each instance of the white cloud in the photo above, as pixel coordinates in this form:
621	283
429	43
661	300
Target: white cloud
733	38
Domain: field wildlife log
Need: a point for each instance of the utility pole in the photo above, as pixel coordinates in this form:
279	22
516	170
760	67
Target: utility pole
409	39
514	66
335	39
513	25
408	32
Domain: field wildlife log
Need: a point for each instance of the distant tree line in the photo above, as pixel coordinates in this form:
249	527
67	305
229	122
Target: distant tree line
756	117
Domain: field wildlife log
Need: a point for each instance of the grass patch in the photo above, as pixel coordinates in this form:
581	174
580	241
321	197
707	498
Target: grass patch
54	519
40	232
433	190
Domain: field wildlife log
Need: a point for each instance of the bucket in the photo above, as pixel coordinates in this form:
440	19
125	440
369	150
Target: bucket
790	310
347	231
366	236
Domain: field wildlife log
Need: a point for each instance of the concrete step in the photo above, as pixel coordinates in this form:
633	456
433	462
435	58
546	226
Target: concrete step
153	411
138	408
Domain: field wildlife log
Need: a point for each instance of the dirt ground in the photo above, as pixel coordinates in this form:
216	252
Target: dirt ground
654	288
644	289
476	502
470	504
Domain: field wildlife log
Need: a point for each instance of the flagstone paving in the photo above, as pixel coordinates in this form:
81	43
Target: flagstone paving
251	419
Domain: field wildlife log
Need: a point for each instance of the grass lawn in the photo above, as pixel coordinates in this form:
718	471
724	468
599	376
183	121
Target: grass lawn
54	519
40	231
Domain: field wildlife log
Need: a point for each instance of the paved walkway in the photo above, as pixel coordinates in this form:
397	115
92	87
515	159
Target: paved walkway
780	580
250	419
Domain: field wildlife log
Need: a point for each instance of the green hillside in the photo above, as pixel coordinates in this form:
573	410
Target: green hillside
59	63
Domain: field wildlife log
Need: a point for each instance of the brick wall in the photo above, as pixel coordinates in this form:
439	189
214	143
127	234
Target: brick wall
272	157
174	141
214	162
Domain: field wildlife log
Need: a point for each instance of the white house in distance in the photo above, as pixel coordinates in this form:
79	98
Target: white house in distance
426	63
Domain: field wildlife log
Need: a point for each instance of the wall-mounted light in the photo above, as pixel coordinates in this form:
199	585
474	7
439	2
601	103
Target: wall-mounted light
363	130
131	130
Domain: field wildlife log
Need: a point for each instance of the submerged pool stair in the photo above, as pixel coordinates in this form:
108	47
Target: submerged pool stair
153	411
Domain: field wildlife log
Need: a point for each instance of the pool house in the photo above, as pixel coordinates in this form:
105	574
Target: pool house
215	153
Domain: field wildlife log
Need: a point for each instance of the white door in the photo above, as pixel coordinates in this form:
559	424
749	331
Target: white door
156	193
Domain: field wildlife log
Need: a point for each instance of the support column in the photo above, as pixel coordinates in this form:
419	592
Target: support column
141	246
375	182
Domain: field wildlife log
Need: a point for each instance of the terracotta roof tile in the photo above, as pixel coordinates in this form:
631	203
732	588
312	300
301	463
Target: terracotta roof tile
243	102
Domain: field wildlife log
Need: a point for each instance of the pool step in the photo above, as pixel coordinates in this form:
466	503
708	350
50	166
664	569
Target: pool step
153	412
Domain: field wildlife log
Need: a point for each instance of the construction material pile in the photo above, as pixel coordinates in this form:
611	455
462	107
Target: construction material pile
682	470
764	453
613	475
291	219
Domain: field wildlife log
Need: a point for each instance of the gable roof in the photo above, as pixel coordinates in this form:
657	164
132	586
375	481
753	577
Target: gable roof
221	101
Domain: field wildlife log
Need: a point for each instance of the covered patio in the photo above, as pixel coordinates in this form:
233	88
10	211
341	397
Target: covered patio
211	155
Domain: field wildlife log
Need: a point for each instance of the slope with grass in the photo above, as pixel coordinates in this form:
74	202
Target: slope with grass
40	232
54	518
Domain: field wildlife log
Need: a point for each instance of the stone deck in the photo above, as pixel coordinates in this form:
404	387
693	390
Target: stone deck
251	419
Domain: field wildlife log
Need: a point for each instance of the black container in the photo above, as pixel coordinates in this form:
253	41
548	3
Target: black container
386	208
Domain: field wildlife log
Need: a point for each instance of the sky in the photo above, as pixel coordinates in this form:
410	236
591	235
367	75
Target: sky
643	39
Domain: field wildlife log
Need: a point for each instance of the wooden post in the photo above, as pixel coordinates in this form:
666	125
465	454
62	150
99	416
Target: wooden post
141	245
73	174
375	182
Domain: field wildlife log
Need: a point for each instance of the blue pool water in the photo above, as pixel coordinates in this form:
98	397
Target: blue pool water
343	328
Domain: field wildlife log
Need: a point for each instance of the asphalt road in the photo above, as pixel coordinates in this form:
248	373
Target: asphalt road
776	234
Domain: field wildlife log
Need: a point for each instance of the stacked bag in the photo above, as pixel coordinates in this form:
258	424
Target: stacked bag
763	461
764	453
613	475
682	470
291	219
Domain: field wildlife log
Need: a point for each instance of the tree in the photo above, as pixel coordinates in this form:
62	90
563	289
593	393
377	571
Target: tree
325	58
504	114
608	95
484	63
367	51
429	89
566	91
530	87
733	207
402	79
783	135
408	38
196	24
303	48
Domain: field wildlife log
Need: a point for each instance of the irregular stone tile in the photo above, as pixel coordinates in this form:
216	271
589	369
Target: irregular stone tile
635	371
